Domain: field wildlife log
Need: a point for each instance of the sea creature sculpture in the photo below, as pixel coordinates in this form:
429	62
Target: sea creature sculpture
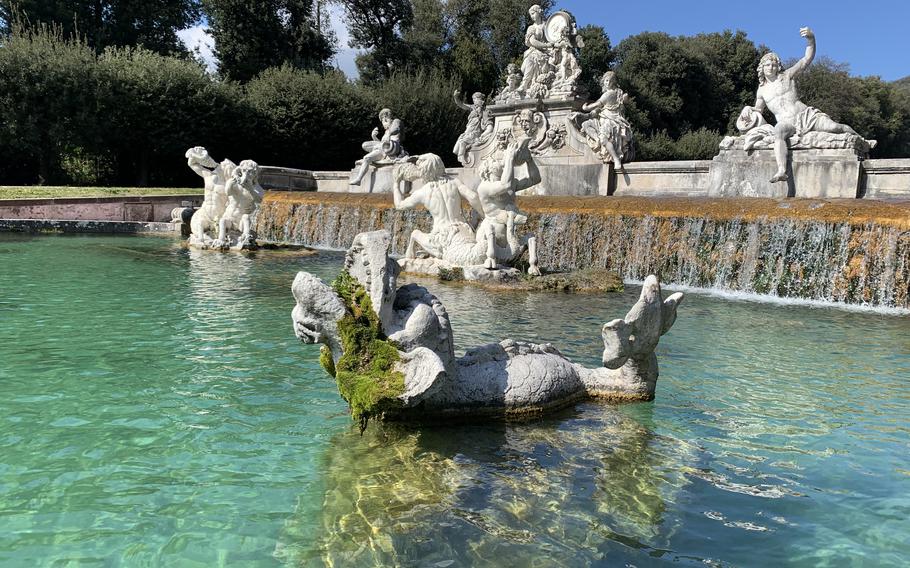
232	196
392	354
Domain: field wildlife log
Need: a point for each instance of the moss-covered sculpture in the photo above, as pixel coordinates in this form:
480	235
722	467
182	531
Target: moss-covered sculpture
394	357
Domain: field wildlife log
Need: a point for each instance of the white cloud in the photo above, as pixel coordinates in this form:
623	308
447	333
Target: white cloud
198	37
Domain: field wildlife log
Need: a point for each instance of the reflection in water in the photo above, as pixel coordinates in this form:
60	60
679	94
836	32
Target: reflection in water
571	489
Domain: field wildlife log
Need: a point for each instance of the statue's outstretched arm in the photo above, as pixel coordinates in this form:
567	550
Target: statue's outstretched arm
470	196
532	179
411	201
801	65
460	103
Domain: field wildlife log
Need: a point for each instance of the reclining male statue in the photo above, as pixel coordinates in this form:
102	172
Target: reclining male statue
392	353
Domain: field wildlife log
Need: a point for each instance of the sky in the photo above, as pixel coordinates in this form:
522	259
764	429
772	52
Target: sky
871	36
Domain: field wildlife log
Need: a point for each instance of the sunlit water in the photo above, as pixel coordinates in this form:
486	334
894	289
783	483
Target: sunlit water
156	410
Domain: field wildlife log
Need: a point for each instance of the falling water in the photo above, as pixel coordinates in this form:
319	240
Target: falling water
842	258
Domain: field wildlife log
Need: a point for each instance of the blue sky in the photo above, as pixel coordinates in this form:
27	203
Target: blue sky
872	36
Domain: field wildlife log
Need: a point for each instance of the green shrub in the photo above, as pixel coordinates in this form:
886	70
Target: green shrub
309	120
701	144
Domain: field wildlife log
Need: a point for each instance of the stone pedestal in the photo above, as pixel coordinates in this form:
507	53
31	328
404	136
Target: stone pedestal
378	178
567	165
830	173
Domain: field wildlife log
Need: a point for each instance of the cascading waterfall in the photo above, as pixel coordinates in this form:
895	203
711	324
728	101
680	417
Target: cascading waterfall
848	259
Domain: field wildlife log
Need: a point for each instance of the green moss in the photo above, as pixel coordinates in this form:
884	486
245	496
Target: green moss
364	372
325	359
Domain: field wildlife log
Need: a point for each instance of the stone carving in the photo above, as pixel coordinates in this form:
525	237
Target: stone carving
421	378
512	91
799	126
378	150
452	242
549	66
478	130
231	200
604	125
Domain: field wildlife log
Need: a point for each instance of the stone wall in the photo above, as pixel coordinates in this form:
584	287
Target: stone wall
871	179
130	209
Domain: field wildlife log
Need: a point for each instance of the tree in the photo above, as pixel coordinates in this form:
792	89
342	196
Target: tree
595	58
378	25
151	24
251	36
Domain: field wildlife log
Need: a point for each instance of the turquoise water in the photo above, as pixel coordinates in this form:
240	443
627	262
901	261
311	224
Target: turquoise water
157	411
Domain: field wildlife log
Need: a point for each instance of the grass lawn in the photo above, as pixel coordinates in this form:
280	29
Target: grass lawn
44	192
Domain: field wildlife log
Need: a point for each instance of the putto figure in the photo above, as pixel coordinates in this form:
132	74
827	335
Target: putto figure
386	148
478	130
606	128
777	93
227	216
512	91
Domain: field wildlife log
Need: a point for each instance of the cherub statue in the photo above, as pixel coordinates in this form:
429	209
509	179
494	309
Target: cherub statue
512	91
477	131
235	227
386	148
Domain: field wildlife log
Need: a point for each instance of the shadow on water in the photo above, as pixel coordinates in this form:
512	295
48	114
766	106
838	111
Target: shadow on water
587	486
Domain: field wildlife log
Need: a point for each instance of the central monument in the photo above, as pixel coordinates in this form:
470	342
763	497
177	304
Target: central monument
542	103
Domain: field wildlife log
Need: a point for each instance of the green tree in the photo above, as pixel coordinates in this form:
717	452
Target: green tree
151	24
47	103
155	107
378	25
309	120
595	58
251	36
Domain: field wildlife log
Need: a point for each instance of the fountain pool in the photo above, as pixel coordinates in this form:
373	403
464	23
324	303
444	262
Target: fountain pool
156	409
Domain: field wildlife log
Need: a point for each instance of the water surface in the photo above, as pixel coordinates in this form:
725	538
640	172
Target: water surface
157	411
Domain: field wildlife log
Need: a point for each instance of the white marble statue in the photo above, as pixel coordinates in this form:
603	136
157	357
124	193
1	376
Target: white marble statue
385	148
511	92
798	125
549	65
232	196
478	130
451	240
235	227
605	126
506	379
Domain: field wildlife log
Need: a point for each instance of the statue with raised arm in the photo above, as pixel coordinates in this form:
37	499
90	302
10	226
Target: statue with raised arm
392	354
452	242
496	193
388	147
477	131
441	197
605	126
777	92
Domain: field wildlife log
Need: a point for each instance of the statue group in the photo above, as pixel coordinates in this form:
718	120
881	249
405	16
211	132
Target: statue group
452	242
226	218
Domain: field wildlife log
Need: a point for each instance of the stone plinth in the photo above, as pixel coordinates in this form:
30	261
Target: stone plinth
688	178
286	179
567	165
812	173
886	179
378	178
